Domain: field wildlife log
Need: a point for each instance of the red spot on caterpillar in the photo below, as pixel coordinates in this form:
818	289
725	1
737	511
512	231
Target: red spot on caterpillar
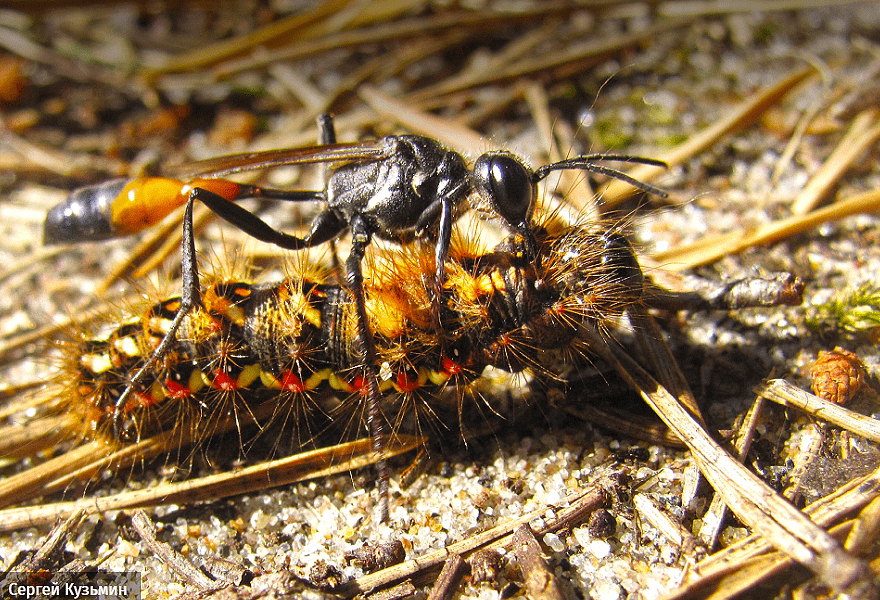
291	382
176	390
223	381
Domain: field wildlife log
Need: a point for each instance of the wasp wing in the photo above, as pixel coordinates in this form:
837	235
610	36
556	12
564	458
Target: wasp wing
370	150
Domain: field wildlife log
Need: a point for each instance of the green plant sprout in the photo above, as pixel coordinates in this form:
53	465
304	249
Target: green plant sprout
856	311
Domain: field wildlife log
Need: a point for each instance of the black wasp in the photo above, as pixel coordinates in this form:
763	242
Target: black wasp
399	188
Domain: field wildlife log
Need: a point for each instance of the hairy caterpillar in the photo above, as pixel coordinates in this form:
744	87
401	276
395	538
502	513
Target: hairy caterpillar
287	342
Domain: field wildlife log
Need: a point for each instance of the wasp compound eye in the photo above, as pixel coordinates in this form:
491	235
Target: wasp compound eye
619	262
85	215
506	183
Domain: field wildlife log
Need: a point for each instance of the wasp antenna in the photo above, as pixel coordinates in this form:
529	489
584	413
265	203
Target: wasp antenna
642	160
586	163
645	187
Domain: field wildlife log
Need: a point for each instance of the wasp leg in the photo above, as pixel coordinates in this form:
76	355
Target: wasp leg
325	226
283	195
442	209
355	280
360	236
328	136
190	298
327	128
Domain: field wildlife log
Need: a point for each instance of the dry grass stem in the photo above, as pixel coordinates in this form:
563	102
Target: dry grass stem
574	509
298	26
170	557
31	261
21	487
786	394
627	425
407	28
659	356
660	520
21	441
306	465
744	115
804	460
80	464
540	582
865	530
449	578
578	56
862	134
17	402
713	518
55	161
754	503
711	248
748	561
